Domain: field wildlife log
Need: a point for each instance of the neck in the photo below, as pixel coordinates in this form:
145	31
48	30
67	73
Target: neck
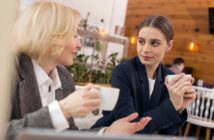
150	70
47	66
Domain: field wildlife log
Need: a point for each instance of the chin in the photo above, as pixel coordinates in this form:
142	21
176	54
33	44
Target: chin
69	63
147	63
144	62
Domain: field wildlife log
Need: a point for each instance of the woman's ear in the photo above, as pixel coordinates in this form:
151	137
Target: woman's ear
170	45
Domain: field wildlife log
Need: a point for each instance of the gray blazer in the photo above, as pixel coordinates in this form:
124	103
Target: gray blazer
27	110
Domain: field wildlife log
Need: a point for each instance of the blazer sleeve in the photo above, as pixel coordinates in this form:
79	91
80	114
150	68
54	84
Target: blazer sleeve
164	117
38	119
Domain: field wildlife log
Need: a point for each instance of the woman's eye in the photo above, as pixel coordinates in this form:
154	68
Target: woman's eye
155	43
141	42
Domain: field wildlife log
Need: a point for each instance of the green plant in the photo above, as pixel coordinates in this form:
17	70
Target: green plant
99	71
79	69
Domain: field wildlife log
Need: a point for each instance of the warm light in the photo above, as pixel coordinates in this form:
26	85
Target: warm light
133	40
193	47
103	32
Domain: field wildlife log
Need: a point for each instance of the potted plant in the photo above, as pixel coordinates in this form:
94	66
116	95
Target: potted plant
99	72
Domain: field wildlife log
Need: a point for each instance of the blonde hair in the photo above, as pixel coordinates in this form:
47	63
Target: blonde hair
44	29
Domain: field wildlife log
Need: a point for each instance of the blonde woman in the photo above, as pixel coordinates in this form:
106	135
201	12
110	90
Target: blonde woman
46	39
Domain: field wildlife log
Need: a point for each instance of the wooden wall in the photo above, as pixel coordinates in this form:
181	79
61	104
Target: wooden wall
186	15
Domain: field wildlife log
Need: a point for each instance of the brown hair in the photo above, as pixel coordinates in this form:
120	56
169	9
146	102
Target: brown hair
160	22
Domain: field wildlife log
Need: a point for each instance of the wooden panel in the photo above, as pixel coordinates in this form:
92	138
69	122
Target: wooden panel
185	15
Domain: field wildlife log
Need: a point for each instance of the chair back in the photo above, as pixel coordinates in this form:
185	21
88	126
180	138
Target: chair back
201	111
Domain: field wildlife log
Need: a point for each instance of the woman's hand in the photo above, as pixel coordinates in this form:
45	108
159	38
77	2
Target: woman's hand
188	98
178	87
125	127
81	102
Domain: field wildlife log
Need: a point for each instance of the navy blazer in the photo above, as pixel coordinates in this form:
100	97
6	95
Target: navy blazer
131	78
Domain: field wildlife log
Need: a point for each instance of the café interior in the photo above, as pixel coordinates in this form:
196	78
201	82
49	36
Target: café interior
108	33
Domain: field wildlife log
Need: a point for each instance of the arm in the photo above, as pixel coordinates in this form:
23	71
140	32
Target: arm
126	105
37	119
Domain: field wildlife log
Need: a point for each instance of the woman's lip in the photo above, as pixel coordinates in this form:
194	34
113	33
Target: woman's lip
147	57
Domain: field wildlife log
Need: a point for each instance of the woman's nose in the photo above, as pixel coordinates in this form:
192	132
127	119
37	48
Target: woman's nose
78	43
146	48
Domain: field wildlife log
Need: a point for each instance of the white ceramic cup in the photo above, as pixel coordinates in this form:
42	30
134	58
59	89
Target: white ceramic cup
109	97
170	77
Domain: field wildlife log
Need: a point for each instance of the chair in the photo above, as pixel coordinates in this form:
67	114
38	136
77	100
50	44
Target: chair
200	112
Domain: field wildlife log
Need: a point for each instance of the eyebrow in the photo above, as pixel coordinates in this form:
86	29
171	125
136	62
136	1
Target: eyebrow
156	40
153	39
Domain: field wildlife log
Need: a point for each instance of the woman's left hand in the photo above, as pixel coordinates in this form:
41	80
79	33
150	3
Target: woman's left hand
188	97
181	91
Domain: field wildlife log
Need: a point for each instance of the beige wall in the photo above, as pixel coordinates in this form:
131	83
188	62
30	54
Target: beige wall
7	17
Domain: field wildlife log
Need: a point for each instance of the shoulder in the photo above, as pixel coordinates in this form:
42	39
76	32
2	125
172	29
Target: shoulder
126	66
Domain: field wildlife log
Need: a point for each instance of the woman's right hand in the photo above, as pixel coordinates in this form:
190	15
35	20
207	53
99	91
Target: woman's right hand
81	102
125	126
177	87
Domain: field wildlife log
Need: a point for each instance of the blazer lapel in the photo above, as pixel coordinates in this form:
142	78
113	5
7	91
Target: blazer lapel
29	92
156	94
144	86
67	83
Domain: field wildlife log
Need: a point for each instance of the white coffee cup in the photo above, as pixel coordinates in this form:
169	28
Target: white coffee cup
170	77
109	97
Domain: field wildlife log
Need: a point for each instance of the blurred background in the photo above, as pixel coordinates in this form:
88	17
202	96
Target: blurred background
114	23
